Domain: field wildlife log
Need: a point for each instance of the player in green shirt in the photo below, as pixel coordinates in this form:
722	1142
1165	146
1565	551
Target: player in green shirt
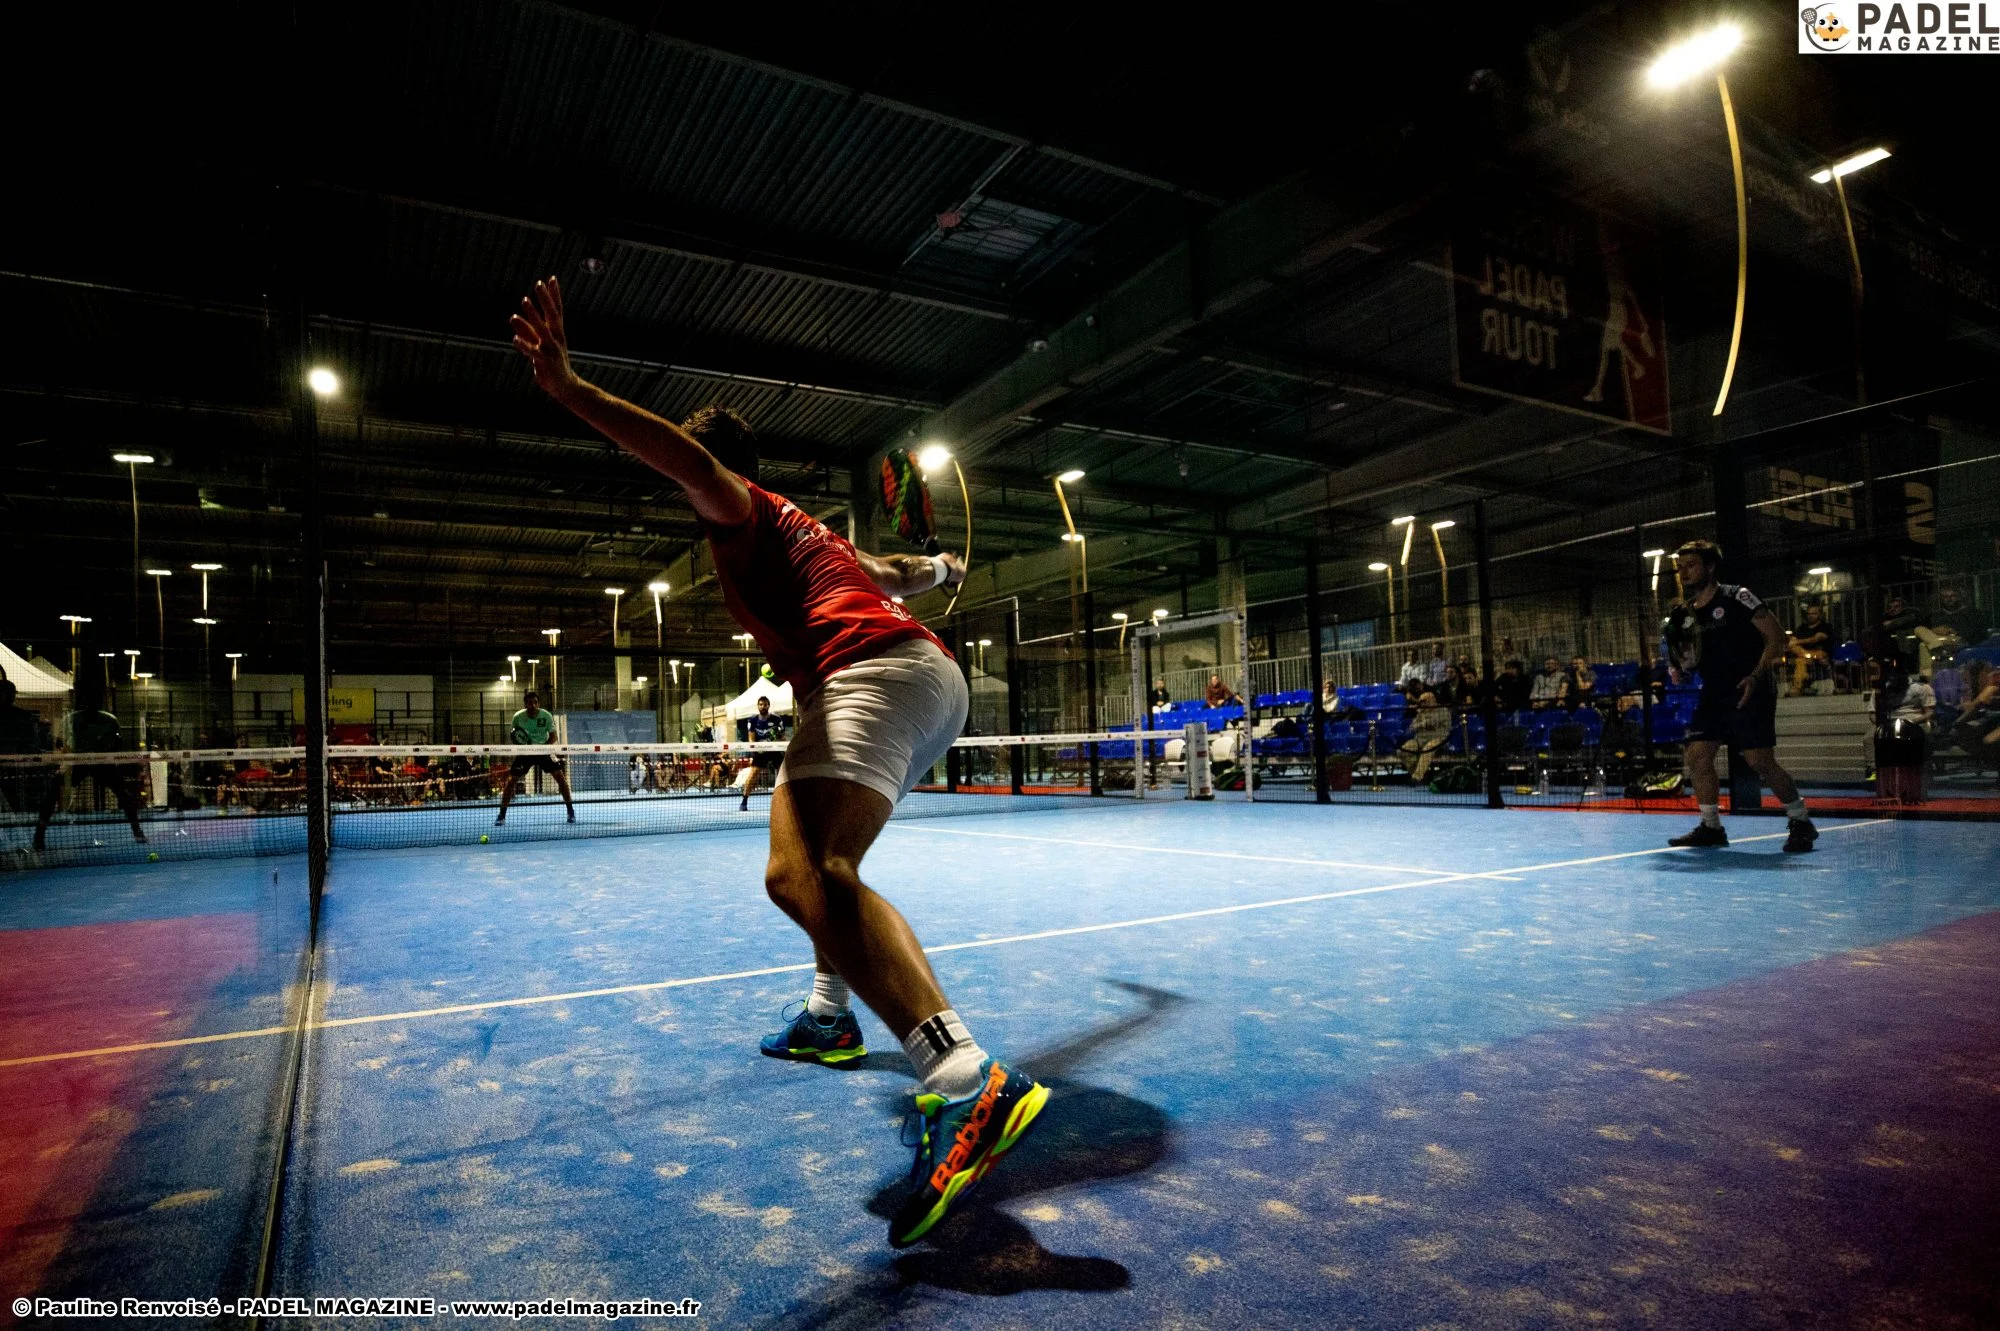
534	725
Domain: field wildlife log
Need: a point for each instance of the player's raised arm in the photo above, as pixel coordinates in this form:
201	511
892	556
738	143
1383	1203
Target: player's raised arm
716	493
911	575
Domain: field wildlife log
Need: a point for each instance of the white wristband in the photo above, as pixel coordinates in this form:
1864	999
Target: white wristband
943	571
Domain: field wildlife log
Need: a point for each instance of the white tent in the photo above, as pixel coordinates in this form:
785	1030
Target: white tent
745	703
39	679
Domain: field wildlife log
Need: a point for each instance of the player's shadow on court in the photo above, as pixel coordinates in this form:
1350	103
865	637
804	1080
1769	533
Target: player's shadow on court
1724	860
1085	1133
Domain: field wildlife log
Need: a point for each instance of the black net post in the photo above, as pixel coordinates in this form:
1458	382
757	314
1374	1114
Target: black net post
1489	712
1016	759
297	361
1316	674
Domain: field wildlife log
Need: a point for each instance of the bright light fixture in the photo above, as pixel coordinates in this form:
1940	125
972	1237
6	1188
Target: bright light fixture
1697	55
658	588
204	619
638	679
131	651
506	679
75	619
160	572
143	674
1120	616
1821	571
1651	554
233	656
514	658
1378	567
986	642
1851	165
933	457
323	381
1072	536
614	591
205	568
1070	477
131	457
1402	522
1159	614
1440	526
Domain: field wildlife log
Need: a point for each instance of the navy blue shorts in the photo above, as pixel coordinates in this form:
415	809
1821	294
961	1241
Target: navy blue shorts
1718	720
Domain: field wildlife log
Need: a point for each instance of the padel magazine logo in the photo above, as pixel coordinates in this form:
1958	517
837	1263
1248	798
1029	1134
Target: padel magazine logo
1901	27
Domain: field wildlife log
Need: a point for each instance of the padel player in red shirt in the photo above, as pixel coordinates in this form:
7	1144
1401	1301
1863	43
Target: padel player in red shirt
880	701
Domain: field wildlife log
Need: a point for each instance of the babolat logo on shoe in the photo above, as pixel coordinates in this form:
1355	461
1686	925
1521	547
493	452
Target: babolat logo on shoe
968	1136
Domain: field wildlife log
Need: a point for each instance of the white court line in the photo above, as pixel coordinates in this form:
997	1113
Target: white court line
1440	874
652	985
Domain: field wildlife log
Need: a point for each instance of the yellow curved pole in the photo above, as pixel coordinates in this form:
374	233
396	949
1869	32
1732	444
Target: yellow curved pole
1742	241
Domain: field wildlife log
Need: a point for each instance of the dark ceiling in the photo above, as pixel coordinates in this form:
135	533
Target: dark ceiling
838	222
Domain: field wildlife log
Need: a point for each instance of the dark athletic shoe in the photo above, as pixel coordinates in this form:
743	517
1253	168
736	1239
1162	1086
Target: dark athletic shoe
811	1040
572	815
1701	835
959	1140
1803	834
501	821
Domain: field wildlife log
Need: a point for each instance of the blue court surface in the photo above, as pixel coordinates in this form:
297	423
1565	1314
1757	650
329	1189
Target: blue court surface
1382	1067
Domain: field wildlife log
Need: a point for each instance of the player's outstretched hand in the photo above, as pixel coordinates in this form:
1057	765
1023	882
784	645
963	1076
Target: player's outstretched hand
954	569
541	337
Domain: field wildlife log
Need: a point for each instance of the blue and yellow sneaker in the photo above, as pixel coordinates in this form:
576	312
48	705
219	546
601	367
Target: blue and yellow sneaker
811	1040
959	1140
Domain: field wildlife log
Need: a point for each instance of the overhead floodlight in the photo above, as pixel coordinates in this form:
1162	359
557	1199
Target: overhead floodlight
132	458
1072	476
1378	567
232	656
1822	571
1695	56
143	674
131	651
204	619
506	679
1071	536
986	642
614	591
1651	554
323	381
638	679
933	457
75	619
658	588
1159	614
1120	616
1403	521
1440	526
108	656
160	572
514	659
206	568
1850	166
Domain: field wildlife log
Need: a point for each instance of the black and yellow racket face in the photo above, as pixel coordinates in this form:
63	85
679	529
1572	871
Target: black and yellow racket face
907	499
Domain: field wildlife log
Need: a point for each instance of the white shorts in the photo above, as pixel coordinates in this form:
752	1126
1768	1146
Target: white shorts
882	722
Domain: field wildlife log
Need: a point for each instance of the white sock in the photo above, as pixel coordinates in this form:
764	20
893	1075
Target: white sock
1709	818
945	1055
829	996
1796	810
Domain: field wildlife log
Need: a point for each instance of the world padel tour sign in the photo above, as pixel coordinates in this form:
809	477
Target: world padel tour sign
1561	305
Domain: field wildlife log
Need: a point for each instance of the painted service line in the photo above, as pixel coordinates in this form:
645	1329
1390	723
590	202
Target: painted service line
457	1009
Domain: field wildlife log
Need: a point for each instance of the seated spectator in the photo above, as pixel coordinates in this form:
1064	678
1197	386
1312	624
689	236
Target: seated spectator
1549	686
1510	690
1435	667
1952	614
1454	691
1430	728
1159	697
1220	694
1909	699
1329	699
1893	640
1412	668
1466	670
1809	643
1977	730
1582	685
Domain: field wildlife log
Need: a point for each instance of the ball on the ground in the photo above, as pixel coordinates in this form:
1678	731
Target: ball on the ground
483	838
153	856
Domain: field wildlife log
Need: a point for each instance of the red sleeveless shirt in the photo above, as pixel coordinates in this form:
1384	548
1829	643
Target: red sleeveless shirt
799	590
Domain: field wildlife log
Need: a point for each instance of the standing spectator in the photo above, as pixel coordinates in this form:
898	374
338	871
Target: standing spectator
1434	668
1549	686
1582	685
1810	642
1412	669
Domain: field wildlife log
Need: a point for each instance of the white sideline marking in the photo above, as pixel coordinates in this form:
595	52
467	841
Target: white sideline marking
652	985
1440	874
